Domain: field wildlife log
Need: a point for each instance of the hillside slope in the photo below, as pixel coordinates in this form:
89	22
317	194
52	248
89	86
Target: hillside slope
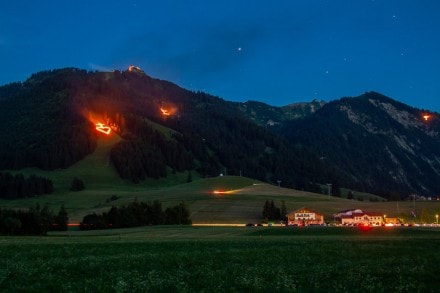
49	121
377	143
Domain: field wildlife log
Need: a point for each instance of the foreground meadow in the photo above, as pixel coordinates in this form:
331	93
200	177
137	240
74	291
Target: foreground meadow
219	259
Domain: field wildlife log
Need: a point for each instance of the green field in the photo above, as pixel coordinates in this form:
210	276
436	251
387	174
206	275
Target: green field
243	205
220	259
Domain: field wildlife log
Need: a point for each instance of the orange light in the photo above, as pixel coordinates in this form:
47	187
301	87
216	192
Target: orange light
133	68
101	127
73	225
165	112
426	117
224	191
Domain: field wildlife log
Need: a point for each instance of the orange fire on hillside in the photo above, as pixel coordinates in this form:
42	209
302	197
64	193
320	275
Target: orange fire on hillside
133	68
167	111
220	192
101	127
426	117
102	122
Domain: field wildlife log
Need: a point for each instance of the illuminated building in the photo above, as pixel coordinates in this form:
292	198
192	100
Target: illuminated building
304	217
358	217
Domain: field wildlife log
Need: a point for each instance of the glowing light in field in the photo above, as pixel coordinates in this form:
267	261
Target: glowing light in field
426	117
224	191
101	127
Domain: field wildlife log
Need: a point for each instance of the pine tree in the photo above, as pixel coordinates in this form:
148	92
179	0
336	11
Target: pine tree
283	210
61	220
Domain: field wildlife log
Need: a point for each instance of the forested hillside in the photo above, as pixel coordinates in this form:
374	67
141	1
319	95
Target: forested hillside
49	122
368	143
377	144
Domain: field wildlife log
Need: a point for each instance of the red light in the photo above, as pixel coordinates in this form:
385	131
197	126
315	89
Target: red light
365	228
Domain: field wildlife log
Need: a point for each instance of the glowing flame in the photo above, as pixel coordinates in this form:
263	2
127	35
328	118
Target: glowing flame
224	191
165	112
133	68
101	127
426	117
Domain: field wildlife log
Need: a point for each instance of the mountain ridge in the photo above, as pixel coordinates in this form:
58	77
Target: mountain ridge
391	139
370	143
209	135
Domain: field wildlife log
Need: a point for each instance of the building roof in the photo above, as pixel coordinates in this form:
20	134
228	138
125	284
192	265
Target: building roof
361	215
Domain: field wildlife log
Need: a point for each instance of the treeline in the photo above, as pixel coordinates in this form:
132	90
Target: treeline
138	214
34	221
17	186
208	134
40	125
272	212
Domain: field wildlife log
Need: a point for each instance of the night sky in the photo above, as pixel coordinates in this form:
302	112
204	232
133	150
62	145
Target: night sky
277	52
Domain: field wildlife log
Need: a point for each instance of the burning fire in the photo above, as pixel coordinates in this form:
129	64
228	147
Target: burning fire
101	127
168	110
133	68
165	112
224	191
426	117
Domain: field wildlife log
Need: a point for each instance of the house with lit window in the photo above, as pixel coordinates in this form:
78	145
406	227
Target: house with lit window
304	217
359	217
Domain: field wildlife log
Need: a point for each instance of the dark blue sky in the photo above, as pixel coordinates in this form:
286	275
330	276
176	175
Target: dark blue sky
278	52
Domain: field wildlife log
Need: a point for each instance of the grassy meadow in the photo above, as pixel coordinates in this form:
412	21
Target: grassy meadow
242	203
219	259
214	259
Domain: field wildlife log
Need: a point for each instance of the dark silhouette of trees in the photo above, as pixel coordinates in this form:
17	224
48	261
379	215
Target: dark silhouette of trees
283	210
61	220
271	212
17	186
138	214
34	221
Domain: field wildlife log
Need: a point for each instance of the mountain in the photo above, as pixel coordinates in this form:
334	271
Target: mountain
55	118
376	143
266	115
369	143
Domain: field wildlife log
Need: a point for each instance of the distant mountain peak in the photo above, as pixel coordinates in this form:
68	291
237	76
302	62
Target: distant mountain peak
371	111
